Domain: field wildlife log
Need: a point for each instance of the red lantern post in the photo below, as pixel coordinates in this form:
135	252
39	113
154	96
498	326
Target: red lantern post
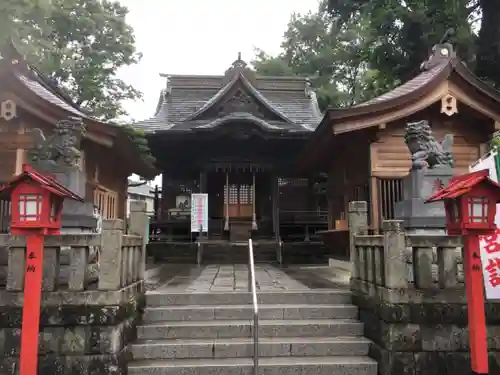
36	204
470	202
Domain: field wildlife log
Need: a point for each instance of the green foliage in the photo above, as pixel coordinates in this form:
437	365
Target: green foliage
79	45
141	142
495	140
332	54
401	33
357	49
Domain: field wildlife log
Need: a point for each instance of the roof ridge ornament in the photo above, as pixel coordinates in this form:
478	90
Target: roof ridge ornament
441	52
239	66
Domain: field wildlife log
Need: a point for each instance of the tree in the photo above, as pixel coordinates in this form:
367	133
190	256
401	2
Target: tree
357	49
331	54
79	45
488	43
401	32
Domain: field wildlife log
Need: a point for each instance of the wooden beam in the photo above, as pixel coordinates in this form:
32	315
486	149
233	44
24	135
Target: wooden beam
370	120
51	118
471	102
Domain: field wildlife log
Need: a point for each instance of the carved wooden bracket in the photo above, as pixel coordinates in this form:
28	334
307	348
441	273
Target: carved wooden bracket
449	105
8	110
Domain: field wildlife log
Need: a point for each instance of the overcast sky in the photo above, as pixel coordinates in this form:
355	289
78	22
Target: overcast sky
200	37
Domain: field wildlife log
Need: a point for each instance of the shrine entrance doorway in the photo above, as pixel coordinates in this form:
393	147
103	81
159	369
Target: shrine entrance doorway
240	203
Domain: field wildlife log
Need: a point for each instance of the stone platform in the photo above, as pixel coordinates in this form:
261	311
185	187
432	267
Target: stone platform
229	278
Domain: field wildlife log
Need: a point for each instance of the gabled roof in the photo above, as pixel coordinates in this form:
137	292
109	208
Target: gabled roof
442	74
238	80
438	69
190	101
461	185
36	91
44	180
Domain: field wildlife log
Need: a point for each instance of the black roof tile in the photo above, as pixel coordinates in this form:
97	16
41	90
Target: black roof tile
186	97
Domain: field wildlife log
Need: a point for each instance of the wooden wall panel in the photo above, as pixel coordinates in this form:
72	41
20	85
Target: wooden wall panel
391	158
103	169
349	175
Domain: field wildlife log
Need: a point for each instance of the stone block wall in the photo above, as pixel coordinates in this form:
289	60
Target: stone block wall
75	338
86	322
417	317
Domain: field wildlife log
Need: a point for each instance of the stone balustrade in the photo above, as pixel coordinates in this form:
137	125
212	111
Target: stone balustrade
92	295
395	259
411	297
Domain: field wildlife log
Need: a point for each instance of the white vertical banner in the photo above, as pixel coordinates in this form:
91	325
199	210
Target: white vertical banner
199	212
489	246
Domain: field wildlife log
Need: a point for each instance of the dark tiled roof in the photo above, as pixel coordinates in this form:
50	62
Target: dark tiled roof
294	106
38	89
411	86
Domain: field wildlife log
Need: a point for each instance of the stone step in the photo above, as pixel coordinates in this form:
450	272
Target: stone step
266	312
338	365
302	297
243	347
243	328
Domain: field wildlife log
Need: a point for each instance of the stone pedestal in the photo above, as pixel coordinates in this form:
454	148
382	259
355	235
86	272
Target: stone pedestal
419	217
76	216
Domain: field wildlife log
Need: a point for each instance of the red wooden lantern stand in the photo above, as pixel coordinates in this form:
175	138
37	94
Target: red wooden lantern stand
470	202
36	204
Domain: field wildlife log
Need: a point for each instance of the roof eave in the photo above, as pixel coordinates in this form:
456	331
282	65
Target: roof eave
387	105
466	74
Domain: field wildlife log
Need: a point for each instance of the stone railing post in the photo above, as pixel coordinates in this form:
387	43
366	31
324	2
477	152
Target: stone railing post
394	249
110	255
358	222
139	226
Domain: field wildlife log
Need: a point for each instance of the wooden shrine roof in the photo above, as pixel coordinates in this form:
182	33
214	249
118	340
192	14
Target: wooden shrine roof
196	102
442	74
35	93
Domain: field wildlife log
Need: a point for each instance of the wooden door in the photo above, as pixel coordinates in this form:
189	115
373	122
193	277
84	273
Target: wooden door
240	200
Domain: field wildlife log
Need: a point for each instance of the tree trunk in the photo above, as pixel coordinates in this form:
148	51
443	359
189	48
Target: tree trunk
488	44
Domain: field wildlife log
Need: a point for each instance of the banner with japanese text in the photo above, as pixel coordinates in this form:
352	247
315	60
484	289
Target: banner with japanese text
199	212
490	245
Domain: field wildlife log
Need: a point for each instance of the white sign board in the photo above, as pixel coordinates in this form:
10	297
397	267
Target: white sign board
199	212
490	245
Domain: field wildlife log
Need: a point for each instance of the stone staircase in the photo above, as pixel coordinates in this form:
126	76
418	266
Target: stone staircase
237	253
303	332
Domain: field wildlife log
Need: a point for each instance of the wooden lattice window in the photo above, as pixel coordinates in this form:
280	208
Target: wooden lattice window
390	191
107	203
239	194
233	194
245	194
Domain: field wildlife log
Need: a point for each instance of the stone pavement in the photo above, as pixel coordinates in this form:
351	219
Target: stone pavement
229	278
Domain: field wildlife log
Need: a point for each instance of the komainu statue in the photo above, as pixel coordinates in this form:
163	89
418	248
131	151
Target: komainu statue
62	147
425	151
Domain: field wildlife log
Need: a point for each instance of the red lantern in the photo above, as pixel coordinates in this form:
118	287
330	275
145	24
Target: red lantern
36	205
470	202
36	202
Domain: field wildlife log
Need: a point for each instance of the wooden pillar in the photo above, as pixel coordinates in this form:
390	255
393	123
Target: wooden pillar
310	193
374	204
166	188
254	214
156	203
226	206
203	182
276	216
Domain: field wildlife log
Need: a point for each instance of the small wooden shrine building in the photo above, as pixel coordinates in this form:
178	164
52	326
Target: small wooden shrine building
30	100
363	149
234	137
